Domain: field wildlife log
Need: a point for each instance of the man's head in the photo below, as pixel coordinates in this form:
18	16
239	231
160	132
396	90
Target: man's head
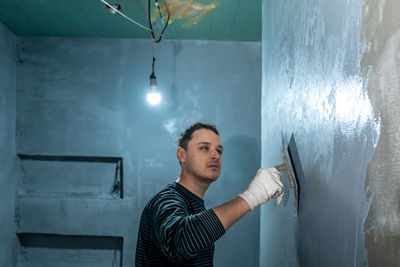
186	135
200	152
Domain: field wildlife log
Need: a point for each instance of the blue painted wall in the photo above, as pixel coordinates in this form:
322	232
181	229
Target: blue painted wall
87	97
323	61
312	87
7	144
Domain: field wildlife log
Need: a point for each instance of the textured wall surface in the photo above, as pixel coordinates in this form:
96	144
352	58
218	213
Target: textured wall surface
7	143
381	71
313	87
87	97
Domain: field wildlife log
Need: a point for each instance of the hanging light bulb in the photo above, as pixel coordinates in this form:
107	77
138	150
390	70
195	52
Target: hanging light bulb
153	97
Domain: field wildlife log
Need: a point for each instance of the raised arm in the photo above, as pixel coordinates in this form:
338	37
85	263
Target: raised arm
265	185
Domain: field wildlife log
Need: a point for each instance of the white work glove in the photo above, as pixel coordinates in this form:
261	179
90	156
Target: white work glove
265	185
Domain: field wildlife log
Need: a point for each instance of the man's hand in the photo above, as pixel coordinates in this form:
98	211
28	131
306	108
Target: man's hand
265	185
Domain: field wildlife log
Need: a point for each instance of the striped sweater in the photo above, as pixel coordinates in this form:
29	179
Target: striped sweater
176	230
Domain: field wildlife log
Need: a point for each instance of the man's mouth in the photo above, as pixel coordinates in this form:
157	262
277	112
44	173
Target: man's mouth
213	166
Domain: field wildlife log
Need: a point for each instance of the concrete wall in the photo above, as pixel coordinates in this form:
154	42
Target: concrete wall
88	97
7	144
323	61
381	69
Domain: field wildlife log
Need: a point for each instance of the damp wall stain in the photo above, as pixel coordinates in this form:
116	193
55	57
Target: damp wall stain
381	74
313	87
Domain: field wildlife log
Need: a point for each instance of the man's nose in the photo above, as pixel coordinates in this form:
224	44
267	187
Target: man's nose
216	155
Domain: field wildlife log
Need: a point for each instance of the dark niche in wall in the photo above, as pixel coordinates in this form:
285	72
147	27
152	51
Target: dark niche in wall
79	250
71	176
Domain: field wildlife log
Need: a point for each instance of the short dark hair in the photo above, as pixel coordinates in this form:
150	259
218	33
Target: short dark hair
186	135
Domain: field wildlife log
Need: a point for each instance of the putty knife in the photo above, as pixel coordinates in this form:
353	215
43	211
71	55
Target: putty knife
287	167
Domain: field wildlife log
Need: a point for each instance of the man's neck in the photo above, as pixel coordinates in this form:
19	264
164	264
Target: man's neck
196	186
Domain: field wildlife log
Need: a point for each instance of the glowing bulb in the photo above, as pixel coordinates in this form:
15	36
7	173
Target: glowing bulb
153	98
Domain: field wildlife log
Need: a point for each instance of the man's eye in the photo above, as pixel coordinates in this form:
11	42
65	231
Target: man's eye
219	152
204	148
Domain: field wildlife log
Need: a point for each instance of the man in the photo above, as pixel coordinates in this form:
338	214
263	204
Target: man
175	227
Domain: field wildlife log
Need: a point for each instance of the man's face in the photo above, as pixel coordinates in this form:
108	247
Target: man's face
203	157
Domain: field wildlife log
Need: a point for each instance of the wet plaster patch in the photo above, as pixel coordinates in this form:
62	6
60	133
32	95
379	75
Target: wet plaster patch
381	72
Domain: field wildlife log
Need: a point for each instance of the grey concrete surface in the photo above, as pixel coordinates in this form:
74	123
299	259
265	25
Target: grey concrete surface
88	97
7	144
330	76
381	73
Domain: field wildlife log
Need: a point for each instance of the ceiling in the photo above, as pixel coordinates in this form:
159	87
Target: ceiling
231	20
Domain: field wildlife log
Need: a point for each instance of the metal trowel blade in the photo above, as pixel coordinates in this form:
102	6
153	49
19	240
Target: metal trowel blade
287	167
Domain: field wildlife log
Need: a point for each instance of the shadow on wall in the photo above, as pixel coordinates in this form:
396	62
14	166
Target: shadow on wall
297	168
331	214
242	157
241	160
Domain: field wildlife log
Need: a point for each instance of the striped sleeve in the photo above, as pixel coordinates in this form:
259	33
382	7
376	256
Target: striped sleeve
182	236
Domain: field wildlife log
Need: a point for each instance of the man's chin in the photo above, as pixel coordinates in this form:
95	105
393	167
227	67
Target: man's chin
208	177
211	178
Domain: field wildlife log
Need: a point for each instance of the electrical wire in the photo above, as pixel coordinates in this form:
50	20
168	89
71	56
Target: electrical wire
157	40
151	24
115	259
116	187
154	60
159	11
125	16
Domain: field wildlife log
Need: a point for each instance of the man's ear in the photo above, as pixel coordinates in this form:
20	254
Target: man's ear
181	154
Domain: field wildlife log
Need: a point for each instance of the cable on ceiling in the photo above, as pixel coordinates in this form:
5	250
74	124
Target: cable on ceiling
154	60
157	40
125	16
